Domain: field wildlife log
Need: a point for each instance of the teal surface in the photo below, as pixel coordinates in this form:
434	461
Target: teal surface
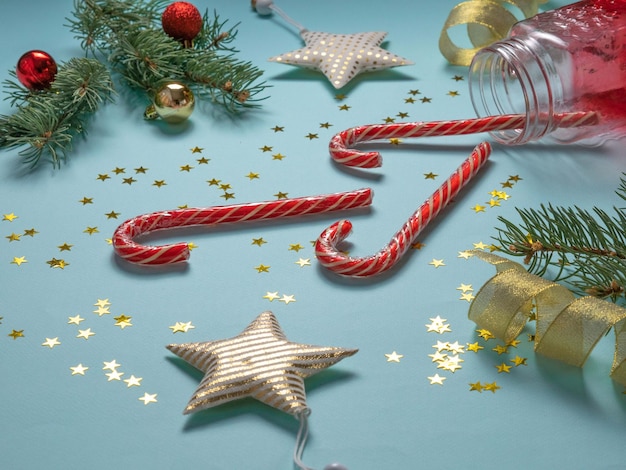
368	413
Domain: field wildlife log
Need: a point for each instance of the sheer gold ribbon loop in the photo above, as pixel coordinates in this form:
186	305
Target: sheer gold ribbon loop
487	21
567	328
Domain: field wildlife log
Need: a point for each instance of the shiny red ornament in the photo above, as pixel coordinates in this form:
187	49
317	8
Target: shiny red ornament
36	70
182	21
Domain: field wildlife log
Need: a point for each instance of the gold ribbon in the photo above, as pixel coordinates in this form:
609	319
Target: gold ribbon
487	21
567	328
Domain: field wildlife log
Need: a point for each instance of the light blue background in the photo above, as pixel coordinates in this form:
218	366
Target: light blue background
367	413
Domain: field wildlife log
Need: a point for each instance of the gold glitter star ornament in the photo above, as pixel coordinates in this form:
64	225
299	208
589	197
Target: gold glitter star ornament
342	56
260	363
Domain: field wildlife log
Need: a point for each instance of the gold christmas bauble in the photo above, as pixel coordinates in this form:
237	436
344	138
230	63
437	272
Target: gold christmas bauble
174	102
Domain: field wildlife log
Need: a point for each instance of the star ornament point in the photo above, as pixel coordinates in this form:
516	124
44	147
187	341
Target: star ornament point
341	57
260	363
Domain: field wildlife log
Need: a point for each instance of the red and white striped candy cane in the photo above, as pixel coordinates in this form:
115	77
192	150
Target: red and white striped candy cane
326	245
341	153
125	246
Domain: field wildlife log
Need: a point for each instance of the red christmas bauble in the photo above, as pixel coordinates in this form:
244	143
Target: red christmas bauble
36	70
182	21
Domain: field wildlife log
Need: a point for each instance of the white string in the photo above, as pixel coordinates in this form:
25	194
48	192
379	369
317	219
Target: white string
303	434
285	17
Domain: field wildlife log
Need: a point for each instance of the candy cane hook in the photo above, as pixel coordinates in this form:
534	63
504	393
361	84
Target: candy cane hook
326	245
339	144
125	246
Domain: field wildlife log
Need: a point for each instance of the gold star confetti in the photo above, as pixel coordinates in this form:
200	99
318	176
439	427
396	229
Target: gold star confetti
457	78
123	321
450	363
438	325
262	268
442	346
103	177
519	361
480	246
485	334
413	92
389	120
258	241
79	369
181	327
302	262
402	115
295	247
114	375
19	260
196	150
500	349
465	288
468	296
409	100
513	343
456	347
9	217
474	347
65	247
311	136
86	334
203	161
278	129
465	254
102	311
281	195
493	203
271	296
430	176
228	195
417	245
102	303
325	125
129	180
213	182
51	342
266	148
91	230
57	263
344	107
340	96
111	365
503	368
252	176
118	170
141	170
426	100
186	168
86	200
287	299
394	357
148	398
278	156
491	387
438	356
112	215
476	387
31	232
436	379
225	186
14	237
437	263
395	141
159	183
478	208
506	184
133	381
453	93
75	320
16	334
514	178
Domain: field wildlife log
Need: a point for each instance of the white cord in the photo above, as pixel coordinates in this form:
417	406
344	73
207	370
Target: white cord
303	434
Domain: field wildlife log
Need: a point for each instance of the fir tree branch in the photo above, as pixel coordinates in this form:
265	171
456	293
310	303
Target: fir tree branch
47	121
129	34
585	248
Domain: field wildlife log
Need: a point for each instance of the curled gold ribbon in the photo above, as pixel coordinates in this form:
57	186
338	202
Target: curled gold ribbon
487	21
567	328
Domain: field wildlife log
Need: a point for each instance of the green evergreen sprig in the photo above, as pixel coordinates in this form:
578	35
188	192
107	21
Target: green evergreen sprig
129	34
585	249
47	122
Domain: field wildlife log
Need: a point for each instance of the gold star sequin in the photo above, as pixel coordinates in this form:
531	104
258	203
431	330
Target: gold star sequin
491	387
325	125
65	247
436	379
118	170
203	161
272	372
453	93
75	320
478	208
474	347
340	57
468	296
51	342
430	175
480	246
302	262
389	120
413	92
57	263
266	148
438	325
79	369
16	334
395	141
476	387
91	230
417	245
114	375
278	129
344	107
519	361
14	237
9	217
311	136
213	182
465	254
103	177
437	263
111	365
403	115
102	311
485	334
278	156
258	241
426	100
123	321
148	398
295	247
281	195
186	168
271	296
129	180
227	195
196	149
262	268
181	327
500	349
85	334
112	215
86	200
159	183
394	357
457	78
287	299
141	170
19	260
31	232
133	381
252	176
503	368
409	100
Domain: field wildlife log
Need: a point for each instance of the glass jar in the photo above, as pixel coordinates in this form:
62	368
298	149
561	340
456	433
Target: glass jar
572	59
